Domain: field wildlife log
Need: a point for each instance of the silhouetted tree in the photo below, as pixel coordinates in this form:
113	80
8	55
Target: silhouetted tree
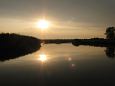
110	33
14	45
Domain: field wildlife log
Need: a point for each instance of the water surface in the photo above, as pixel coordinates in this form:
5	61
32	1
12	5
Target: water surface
59	65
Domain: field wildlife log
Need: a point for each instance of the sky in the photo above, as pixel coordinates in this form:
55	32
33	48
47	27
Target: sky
69	18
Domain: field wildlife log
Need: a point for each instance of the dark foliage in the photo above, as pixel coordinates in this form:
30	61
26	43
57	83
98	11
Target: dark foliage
110	33
56	41
101	42
98	42
14	45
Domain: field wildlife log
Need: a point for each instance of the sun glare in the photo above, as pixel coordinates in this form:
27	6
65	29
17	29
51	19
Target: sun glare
42	57
43	24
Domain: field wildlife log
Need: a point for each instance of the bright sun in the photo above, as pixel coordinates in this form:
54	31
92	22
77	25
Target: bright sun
42	57
43	24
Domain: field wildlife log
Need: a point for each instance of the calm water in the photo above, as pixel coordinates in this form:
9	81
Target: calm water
59	65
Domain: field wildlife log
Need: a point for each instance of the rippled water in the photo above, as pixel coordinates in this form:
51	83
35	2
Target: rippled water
59	65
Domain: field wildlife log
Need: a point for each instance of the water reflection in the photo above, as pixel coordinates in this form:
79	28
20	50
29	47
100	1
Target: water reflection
110	52
8	54
69	59
61	65
42	57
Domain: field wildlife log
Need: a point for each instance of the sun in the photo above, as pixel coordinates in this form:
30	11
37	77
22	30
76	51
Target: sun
43	24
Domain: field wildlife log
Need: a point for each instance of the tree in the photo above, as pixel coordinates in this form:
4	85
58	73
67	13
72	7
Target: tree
110	33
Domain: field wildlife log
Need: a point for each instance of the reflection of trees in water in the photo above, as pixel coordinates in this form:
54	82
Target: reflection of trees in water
13	46
110	52
13	54
110	34
110	49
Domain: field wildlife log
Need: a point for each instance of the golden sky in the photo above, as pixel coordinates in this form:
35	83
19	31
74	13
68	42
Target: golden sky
69	18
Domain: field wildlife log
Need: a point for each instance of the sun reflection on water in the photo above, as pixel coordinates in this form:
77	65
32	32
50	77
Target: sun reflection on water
42	57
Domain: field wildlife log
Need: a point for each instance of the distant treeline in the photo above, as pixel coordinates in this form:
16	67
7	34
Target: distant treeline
14	45
101	42
56	41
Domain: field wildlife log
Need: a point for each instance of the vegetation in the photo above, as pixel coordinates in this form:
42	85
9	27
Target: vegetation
14	45
109	42
56	41
110	33
101	42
